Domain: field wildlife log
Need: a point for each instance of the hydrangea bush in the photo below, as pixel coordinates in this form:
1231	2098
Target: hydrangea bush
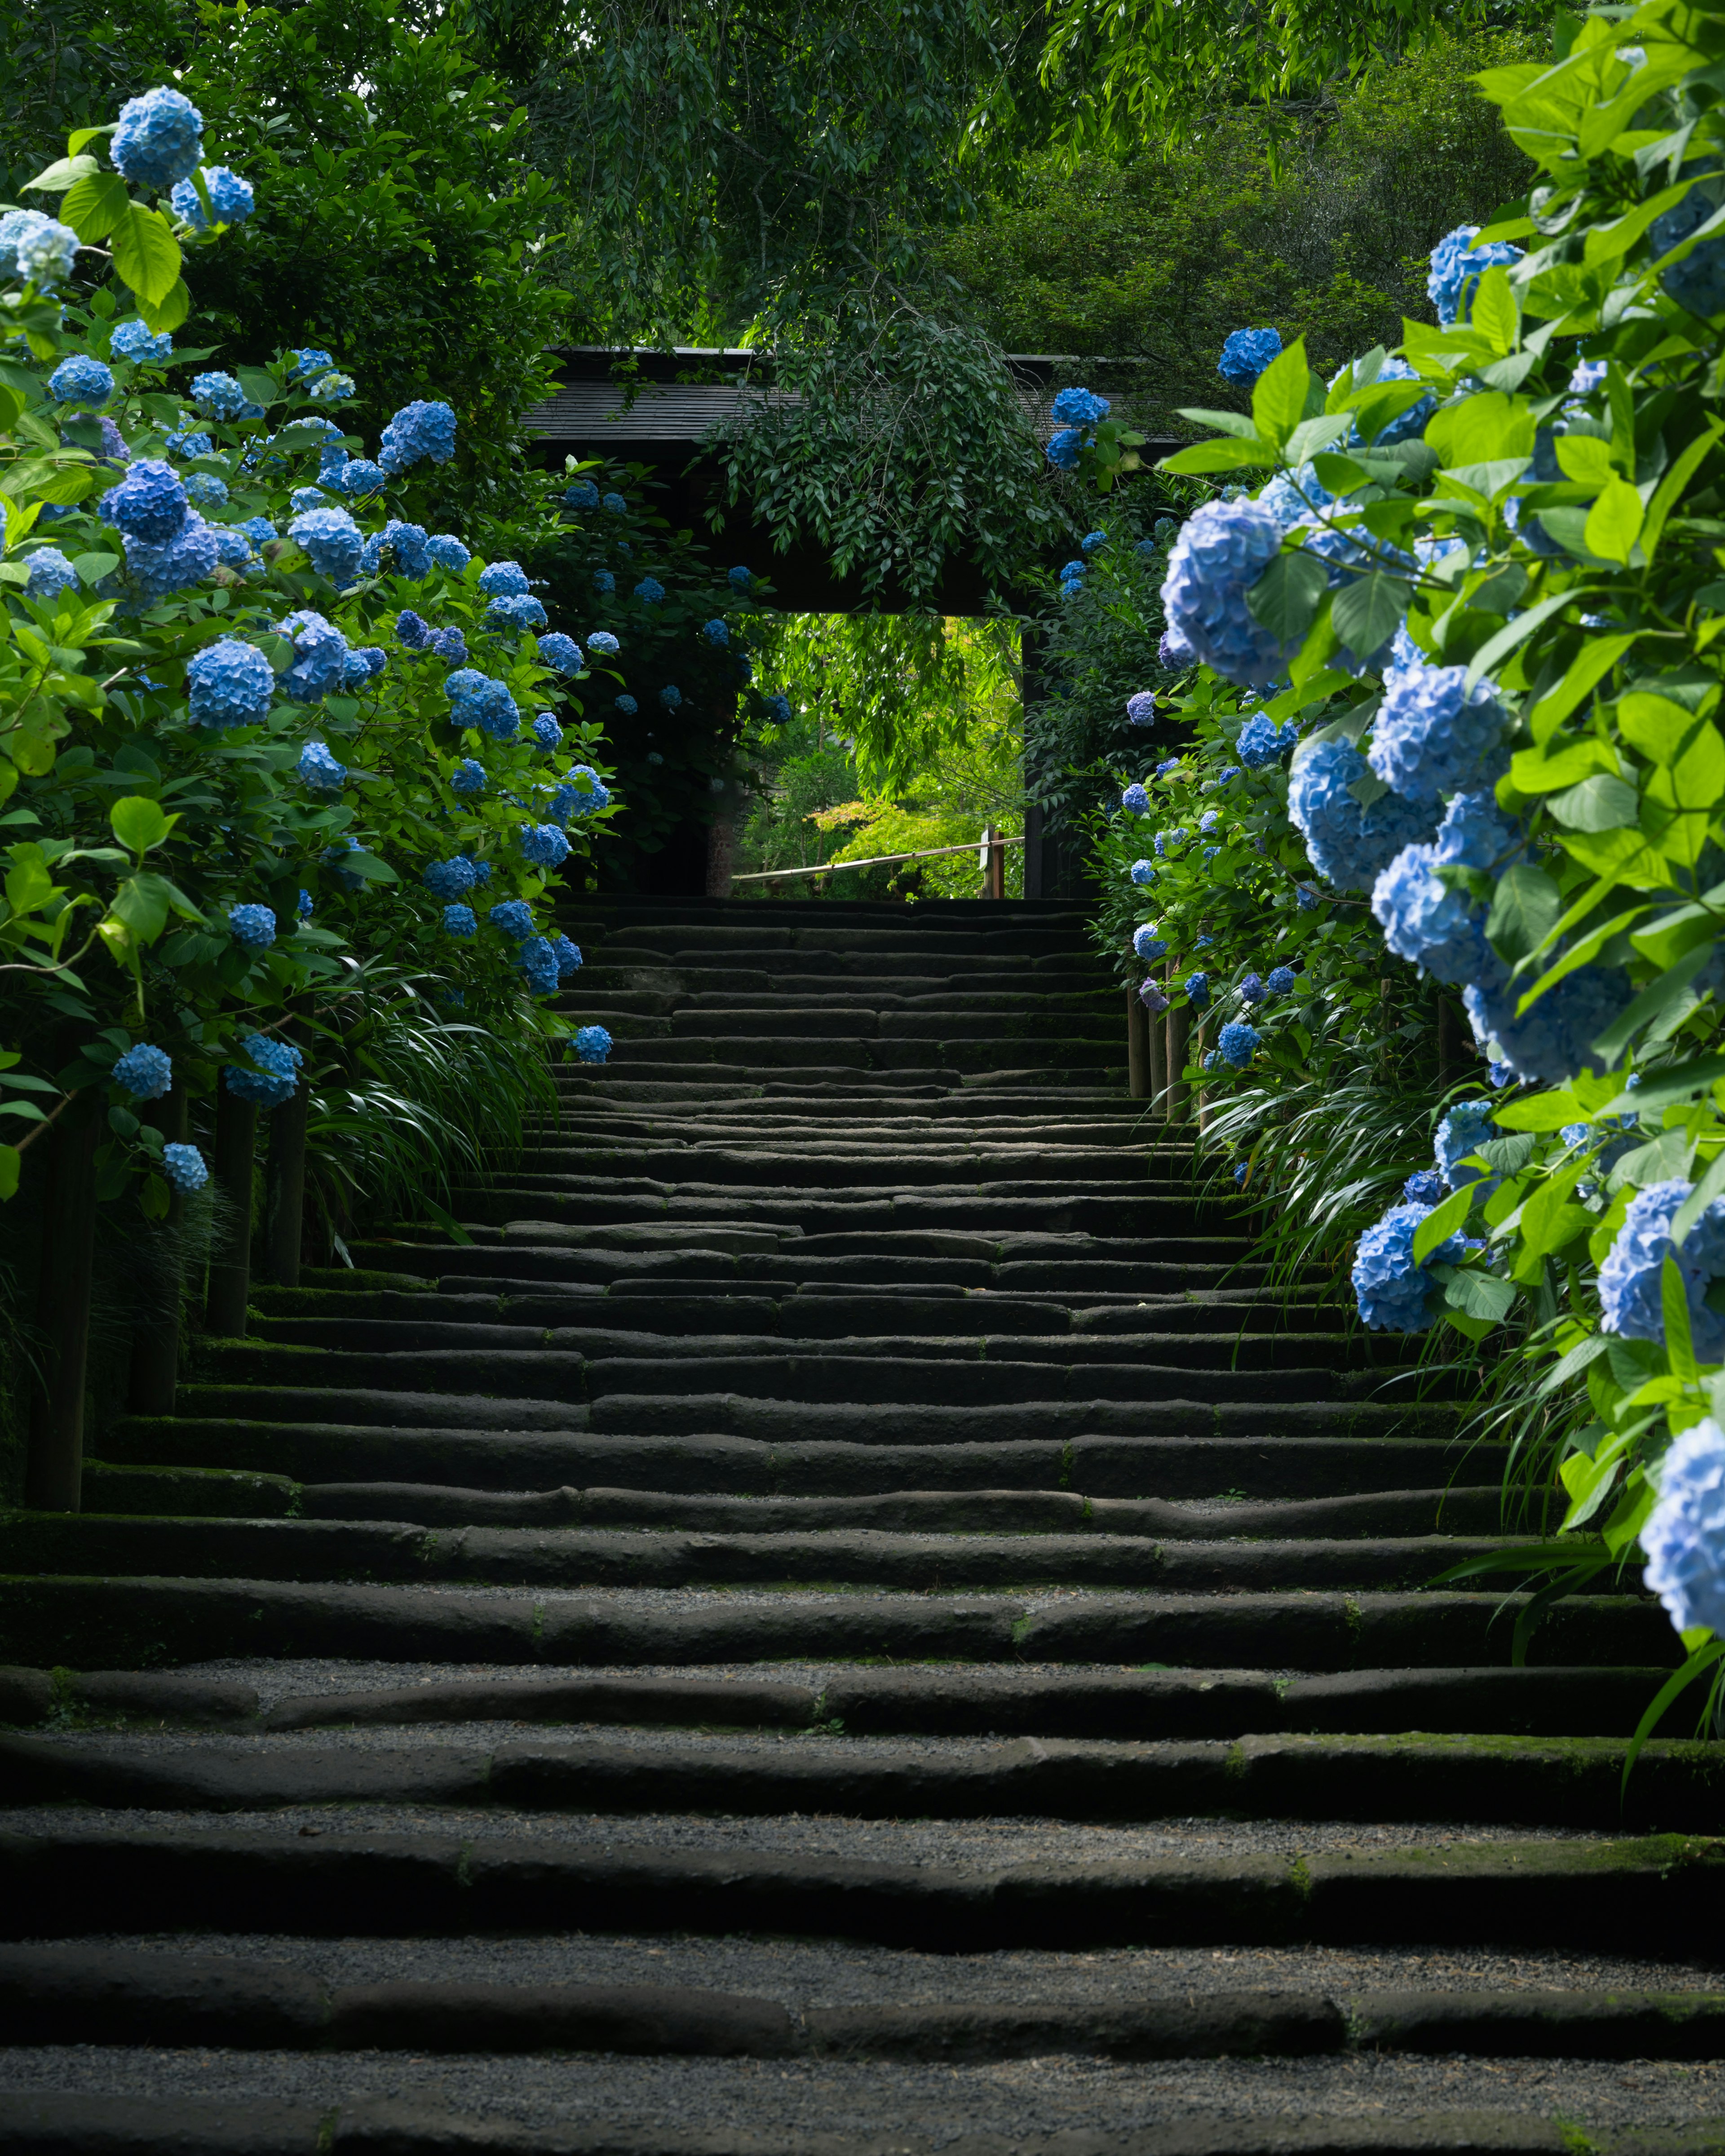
234	771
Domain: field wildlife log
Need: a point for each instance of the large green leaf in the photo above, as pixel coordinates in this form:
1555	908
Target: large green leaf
1614	522
1279	393
147	255
1600	804
1367	612
96	204
1444	1220
140	823
1286	598
1523	908
1480	1295
169	313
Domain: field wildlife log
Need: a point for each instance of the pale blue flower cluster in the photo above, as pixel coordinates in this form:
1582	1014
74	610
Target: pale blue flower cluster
332	542
602	642
1148	944
364	664
183	1166
1684	1535
459	920
320	656
276	1080
1198	990
1405	425
568	955
206	490
592	1043
538	960
1435	736
145	1072
1475	833
360	476
407	545
1464	1130
149	504
517	611
1631	1278
649	591
1350	846
1079	408
547	731
50	573
561	652
319	770
81	380
1238	1043
468	777
218	396
603	583
582	495
446	551
1423	1187
1555	1038
419	433
583	793
1427	923
503	580
1252	989
544	844
159	139
1223	548
231	684
1246	354
35	248
1135	800
716	631
230	197
477	700
1141	709
1457	265
1394	1293
614	504
1282	980
1143	872
513	916
254	925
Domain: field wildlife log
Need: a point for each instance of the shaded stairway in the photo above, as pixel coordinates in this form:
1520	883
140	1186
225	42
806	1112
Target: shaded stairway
837	1618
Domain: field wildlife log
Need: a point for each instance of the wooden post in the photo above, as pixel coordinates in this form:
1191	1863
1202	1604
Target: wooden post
1180	1093
54	1467
231	1257
156	1339
286	1212
997	864
720	856
1158	1065
1452	1039
1138	1047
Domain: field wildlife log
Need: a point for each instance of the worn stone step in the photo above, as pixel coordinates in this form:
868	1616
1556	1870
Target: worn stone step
87	1619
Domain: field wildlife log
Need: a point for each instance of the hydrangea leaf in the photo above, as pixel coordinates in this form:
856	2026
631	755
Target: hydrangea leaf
1614	522
139	823
1602	803
147	255
1287	597
1494	314
1279	395
64	172
1368	611
95	204
1445	1218
1479	1295
11	1164
169	313
1482	430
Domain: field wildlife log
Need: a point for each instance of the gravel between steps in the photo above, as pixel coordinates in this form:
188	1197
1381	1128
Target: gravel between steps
928	2107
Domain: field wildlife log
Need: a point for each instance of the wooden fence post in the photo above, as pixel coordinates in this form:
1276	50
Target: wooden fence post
156	1338
1138	1047
285	1214
53	1467
231	1254
1180	1093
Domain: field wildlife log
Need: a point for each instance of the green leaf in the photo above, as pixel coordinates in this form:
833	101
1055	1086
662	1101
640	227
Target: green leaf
1279	393
1600	804
12	1162
93	567
1544	1111
1665	500
1287	596
1444	1220
1653	1000
141	902
1698	1200
1615	523
1486	430
147	255
1367	612
1597	657
1499	647
95	205
262	388
1494	314
1696	1667
1480	1295
171	312
1225	422
139	823
1223	455
1679	1349
1667	1087
1526	904
64	173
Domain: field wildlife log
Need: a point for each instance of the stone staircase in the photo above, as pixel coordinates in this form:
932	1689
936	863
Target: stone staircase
838	1617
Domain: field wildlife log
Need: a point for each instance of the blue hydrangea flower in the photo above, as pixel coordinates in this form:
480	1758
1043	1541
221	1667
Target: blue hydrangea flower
1064	446
1246	354
503	580
1405	425
583	793
538	960
152	572
1148	944
1143	872
518	611
259	530
603	643
145	1072
1632	1300
670	696
304	498
332	388
1074	571
561	652
460	920
218	396
1501	1073
715	631
569	956
231	684
1173	651
183	1166
603	583
626	704
137	341
615	504
468	777
1684	1536
360	476
407	546
320	656
547	731
1423	1187
1394	1293
319	770
649	591
189	443
1698	282
544	844
1290	497
50	574
1475	833
418	433
1554	1038
1282	980
592	1043
275	1081
741	577
1433	736
206	490
149	504
1262	743
1305	898
1079	408
446	551
583	495
81	380
365	664
1207	821
1456	266
1464	1130
159	140
333	542
1426	923
1252	989
1141	709
1092	540
306	908
230	197
1198	990
411	631
1241	1170
513	916
1135	800
476	700
1238	1043
451	879
254	925
1224	548
1350	846
35	248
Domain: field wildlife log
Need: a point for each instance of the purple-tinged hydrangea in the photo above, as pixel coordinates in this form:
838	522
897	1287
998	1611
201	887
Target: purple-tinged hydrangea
649	591
1631	1278
50	573
277	1079
1426	923
183	1166
1079	408
1350	846
1394	1293
231	684
1141	709
1148	944
159	139
547	731
1555	1038
544	844
411	631
218	396
460	920
1433	736
503	580
561	652
1173	651
518	611
1238	1043
254	925
1684	1535
320	656
145	1072
592	1043
1252	989
1136	799
448	552
451	879
513	916
364	664
1143	872
81	380
1456	267
332	542
1223	549
1464	1130
420	432
1423	1187
319	770
1246	354
1281	981
116	451
1198	990
1152	996
230	197
468	777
